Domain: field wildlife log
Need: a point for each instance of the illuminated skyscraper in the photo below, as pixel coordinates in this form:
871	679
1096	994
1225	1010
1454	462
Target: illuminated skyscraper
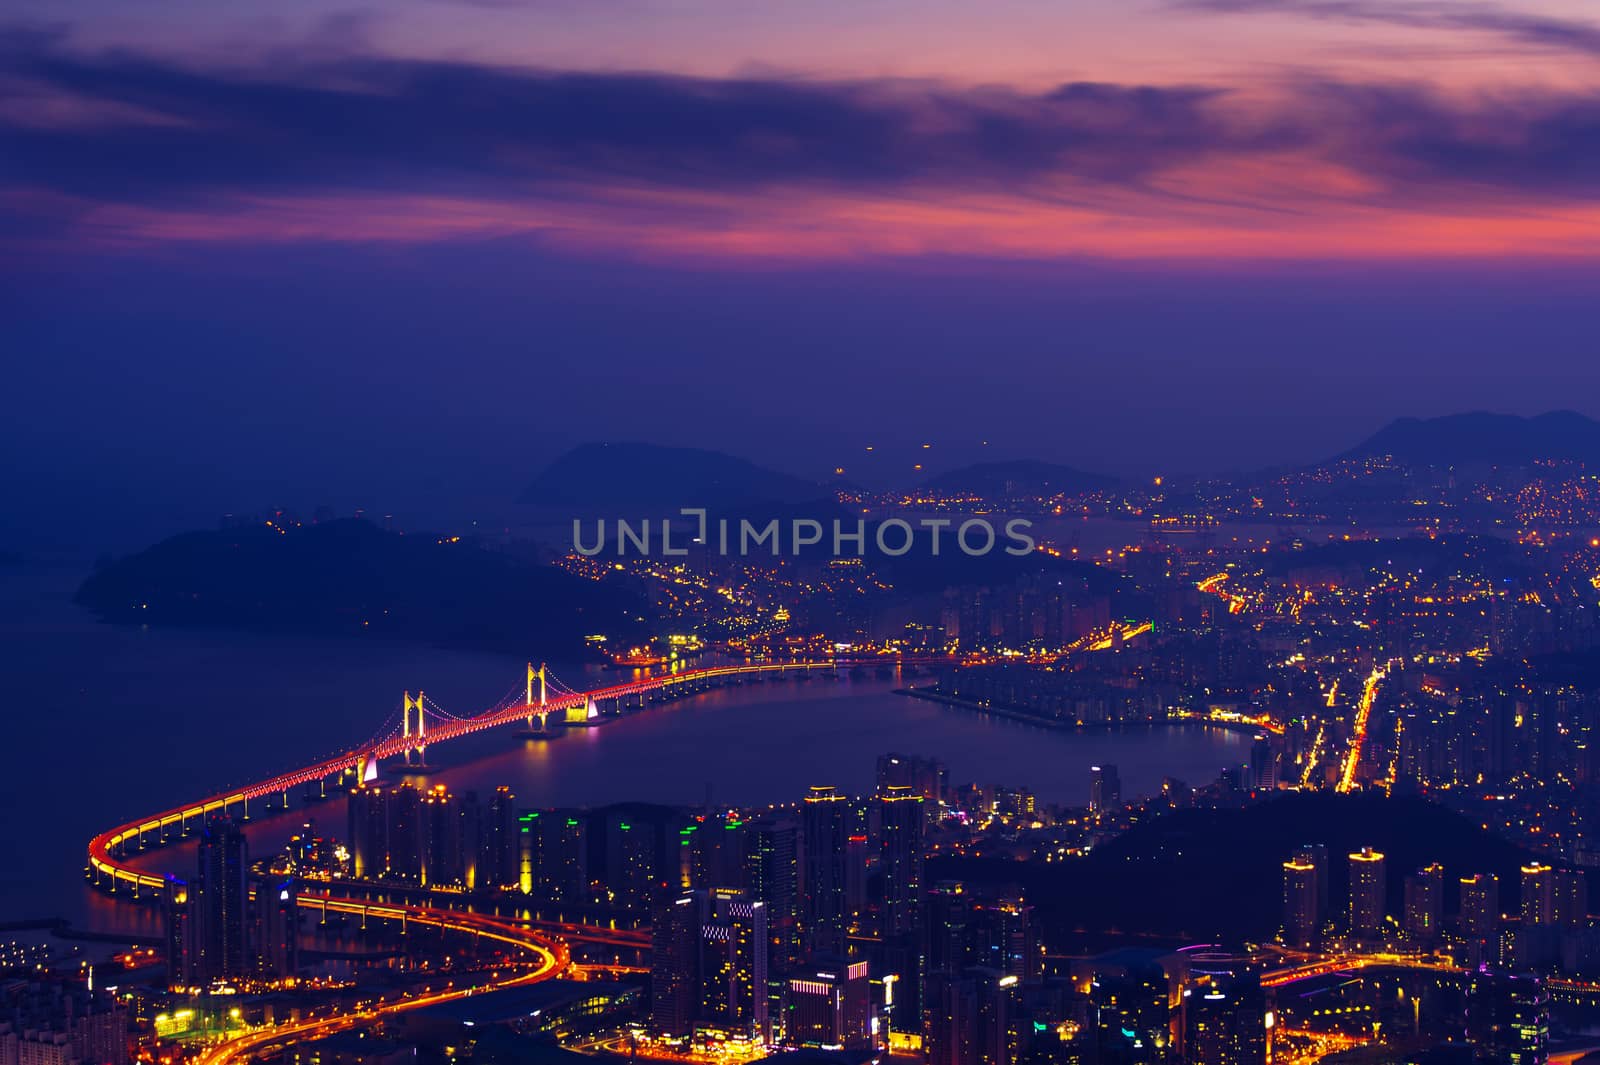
1368	889
1480	906
830	1006
925	776
1553	896
368	833
1570	891
277	928
560	859
732	962
968	1018
1225	1023
406	842
1538	895
499	854
633	862
1301	903
900	858
444	837
674	968
1004	938
181	945
772	874
1317	855
1130	1008
709	964
1508	1019
1424	900
1263	764
1105	789
825	829
219	899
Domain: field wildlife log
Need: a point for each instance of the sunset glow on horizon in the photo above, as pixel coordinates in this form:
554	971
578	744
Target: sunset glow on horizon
1240	129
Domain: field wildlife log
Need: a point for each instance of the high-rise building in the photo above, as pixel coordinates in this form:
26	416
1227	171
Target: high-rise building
1538	895
772	874
559	840
1225	1023
1301	903
1570	902
1424	902
900	858
709	964
499	848
733	962
179	935
1263	764
924	776
1105	790
968	1018
1003	937
717	853
1317	855
407	834
825	830
947	928
949	1019
674	968
1553	896
829	1005
1508	1019
407	844
219	902
1368	889
633	858
277	927
1480	906
368	833
1130	1008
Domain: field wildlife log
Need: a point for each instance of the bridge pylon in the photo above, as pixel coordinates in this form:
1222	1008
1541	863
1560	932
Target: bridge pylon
405	726
422	730
542	676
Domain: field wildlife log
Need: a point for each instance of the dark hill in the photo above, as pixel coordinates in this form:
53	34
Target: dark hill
645	475
1481	438
1217	874
1483	557
350	576
1023	478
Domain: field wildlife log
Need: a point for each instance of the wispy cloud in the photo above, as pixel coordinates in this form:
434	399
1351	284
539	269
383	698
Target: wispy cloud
171	148
1524	28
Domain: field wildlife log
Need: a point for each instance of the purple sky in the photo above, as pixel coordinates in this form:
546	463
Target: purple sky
402	255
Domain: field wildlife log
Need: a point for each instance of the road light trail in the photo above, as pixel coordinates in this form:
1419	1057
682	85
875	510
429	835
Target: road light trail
1369	695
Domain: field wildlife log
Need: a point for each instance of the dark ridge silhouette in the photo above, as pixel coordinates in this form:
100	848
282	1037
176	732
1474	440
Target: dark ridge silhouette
646	475
349	576
1216	875
1481	438
1022	478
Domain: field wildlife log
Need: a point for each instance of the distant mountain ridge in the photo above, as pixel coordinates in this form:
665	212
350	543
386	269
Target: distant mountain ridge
1483	438
1018	478
638	474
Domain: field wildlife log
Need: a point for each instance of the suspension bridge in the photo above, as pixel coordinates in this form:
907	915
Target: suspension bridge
422	724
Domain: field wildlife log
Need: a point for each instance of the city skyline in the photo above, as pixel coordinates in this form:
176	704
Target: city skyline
858	532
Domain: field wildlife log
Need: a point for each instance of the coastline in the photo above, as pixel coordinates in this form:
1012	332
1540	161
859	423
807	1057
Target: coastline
1013	713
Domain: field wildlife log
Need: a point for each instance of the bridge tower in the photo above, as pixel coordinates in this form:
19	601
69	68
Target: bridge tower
405	726
422	732
419	731
538	675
